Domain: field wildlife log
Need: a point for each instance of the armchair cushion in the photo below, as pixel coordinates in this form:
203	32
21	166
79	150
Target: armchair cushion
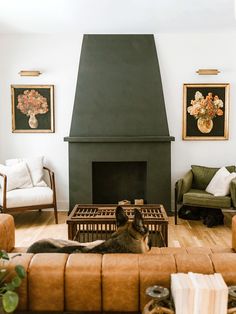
219	184
203	175
28	197
197	197
35	166
18	176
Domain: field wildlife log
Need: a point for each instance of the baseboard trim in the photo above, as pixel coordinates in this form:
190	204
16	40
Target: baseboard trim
63	205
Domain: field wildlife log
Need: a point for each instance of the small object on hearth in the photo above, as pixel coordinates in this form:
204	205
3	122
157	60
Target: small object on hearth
124	202
232	300
138	201
160	303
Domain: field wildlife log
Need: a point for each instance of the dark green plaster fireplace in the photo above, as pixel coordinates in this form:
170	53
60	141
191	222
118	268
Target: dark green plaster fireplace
119	119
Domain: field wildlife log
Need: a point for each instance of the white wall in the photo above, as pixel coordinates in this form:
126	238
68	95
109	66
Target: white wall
179	57
58	58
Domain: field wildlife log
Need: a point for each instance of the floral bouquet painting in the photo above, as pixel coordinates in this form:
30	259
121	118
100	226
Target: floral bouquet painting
205	111
32	108
32	103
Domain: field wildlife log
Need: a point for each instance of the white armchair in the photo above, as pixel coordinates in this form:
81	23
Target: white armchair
31	198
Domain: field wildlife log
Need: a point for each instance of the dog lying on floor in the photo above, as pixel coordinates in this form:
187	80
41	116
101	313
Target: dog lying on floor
211	216
130	237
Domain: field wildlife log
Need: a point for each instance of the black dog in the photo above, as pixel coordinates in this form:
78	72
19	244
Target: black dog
211	216
189	213
130	237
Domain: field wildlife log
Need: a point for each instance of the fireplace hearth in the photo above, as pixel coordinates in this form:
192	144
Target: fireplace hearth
119	143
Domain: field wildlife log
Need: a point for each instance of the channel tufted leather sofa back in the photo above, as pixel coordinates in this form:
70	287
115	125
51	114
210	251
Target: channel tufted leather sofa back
109	283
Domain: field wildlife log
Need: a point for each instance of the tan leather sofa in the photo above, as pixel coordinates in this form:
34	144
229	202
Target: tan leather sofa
110	283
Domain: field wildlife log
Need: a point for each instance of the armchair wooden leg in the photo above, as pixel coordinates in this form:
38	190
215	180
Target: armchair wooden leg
55	213
176	214
176	207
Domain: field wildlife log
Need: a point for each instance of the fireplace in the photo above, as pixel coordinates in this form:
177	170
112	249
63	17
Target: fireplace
119	131
115	181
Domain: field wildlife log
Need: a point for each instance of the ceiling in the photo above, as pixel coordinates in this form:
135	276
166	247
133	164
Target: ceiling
116	16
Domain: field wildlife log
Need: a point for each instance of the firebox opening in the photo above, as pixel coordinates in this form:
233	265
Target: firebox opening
115	181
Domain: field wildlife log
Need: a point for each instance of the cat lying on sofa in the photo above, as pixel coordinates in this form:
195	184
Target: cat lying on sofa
130	237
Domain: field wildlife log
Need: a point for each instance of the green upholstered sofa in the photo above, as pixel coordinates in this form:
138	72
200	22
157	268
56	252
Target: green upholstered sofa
190	190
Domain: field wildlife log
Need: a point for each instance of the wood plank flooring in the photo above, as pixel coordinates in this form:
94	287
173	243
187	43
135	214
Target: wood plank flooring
34	225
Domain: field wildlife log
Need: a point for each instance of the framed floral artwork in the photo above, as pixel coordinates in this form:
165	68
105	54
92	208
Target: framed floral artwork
205	111
32	108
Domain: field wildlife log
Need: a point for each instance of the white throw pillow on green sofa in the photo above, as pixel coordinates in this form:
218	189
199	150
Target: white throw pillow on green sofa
219	184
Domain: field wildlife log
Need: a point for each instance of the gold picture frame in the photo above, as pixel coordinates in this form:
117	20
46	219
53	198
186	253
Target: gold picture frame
206	111
32	108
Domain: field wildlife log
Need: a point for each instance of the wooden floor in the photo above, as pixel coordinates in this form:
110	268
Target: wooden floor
32	226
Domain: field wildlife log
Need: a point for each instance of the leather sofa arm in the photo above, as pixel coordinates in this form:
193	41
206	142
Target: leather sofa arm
233	191
183	185
7	232
234	233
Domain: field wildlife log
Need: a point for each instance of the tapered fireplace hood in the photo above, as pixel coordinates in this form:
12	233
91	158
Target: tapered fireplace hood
119	142
119	93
